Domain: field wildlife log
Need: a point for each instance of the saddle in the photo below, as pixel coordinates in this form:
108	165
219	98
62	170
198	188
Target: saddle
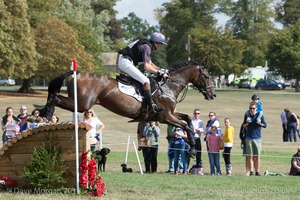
131	87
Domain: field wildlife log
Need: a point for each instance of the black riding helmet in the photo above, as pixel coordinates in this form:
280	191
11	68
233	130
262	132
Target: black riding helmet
255	97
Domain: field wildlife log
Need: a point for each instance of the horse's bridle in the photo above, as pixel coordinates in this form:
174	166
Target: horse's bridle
202	79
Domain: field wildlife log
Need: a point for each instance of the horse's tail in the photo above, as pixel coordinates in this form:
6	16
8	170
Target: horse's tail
56	83
54	88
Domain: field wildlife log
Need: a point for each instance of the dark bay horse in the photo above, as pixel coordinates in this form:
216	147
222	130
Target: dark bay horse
100	89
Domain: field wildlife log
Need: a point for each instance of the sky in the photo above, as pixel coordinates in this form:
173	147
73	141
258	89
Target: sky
144	10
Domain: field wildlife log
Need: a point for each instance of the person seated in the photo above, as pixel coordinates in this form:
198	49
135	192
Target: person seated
295	164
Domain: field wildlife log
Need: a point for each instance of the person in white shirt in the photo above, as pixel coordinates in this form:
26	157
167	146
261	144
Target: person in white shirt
96	127
199	127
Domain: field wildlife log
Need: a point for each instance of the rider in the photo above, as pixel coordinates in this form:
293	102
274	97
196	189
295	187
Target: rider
140	52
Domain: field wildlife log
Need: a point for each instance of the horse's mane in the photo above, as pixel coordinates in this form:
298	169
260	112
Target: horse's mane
181	64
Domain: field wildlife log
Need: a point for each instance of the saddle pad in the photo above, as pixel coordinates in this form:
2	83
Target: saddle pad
129	90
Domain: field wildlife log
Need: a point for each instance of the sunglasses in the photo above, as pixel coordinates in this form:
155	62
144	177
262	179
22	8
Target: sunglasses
210	115
252	108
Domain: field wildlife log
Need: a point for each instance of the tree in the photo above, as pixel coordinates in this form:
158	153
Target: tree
252	22
40	10
135	28
7	45
288	12
219	49
58	45
284	55
24	62
178	17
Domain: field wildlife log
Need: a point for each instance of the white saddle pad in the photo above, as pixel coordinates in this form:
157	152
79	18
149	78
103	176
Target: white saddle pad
129	90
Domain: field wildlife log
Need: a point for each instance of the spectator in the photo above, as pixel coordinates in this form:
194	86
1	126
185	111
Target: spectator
255	99
214	151
228	144
178	145
152	131
295	164
213	121
198	130
170	150
9	125
96	127
253	139
243	146
54	119
284	126
23	116
292	125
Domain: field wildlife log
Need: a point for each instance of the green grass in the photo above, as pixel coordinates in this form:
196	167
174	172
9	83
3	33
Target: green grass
232	103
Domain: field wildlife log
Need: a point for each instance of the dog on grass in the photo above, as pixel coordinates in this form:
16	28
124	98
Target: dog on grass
102	161
125	169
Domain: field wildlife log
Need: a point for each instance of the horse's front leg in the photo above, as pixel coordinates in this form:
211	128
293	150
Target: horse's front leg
184	121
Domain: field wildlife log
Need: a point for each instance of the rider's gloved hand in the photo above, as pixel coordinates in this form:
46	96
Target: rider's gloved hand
163	73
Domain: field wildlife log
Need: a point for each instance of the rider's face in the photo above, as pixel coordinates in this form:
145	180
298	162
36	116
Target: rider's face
158	46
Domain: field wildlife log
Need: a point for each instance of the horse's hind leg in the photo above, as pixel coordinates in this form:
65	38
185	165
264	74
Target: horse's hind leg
62	102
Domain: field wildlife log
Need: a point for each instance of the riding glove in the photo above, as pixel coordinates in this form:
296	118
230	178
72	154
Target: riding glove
163	73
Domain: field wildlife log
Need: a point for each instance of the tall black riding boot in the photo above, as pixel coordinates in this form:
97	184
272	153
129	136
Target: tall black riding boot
150	102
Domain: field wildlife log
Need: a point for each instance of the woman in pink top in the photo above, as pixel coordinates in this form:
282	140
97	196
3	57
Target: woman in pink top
214	151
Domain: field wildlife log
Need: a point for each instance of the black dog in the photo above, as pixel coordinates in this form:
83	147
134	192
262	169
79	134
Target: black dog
125	169
101	162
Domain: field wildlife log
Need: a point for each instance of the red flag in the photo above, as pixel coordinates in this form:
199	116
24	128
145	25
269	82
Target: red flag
74	65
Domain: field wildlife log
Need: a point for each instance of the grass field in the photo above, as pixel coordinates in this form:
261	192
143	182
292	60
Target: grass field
231	103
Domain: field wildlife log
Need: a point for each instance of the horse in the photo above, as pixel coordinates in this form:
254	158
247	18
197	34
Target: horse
103	90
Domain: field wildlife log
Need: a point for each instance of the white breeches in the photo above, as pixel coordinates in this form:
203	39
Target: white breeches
128	67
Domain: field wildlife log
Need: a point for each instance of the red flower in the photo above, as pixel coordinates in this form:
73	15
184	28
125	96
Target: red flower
4	178
92	181
83	180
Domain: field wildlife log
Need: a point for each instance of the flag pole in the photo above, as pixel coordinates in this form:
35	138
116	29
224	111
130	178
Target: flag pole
74	68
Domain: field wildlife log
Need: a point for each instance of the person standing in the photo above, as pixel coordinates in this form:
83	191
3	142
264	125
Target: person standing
151	131
214	151
9	124
295	164
140	52
228	144
256	99
253	139
284	126
198	125
292	125
23	116
96	127
178	146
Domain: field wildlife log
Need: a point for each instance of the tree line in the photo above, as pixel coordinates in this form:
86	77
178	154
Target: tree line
40	38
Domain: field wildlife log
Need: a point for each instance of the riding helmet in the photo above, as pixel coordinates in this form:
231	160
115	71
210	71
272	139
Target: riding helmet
255	97
158	37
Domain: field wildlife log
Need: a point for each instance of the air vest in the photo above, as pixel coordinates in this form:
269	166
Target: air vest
133	51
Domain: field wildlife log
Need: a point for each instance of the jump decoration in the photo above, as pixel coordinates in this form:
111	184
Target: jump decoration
7	184
90	179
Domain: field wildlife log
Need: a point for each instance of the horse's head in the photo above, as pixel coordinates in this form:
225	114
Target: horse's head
204	84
